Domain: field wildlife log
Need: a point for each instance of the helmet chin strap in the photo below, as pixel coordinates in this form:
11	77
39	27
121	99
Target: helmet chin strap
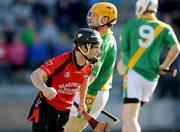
98	27
91	60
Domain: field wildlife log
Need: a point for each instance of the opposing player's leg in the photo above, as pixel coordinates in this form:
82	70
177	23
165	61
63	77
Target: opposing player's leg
95	105
130	117
137	92
75	124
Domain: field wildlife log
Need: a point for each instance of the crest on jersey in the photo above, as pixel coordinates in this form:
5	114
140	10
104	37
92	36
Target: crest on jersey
85	75
67	75
49	62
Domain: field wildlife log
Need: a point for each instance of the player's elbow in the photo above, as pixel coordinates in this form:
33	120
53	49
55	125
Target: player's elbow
176	49
33	76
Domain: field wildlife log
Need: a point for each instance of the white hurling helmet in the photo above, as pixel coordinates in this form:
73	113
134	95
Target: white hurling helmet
146	5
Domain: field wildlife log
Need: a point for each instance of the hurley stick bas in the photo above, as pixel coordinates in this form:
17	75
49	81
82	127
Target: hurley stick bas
96	125
171	71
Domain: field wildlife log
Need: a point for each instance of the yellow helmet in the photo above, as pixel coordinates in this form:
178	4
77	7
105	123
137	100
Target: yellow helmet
104	9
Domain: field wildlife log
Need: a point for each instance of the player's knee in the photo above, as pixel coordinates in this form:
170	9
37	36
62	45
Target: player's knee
75	125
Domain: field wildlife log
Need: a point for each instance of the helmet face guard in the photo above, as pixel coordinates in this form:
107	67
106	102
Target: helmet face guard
102	9
89	20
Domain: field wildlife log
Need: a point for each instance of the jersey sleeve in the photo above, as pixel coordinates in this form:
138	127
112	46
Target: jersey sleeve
124	47
108	57
170	38
125	42
97	68
108	67
51	65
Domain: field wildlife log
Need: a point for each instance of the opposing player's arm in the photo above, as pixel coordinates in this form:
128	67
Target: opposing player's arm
121	67
108	49
172	43
124	38
171	56
108	67
91	79
124	47
97	68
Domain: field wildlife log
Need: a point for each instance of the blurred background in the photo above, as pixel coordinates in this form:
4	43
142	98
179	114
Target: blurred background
32	31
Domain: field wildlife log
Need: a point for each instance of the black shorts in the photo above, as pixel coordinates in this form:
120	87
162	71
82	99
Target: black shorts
49	119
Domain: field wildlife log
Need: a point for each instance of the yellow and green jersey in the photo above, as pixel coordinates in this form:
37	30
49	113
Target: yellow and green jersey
142	43
103	73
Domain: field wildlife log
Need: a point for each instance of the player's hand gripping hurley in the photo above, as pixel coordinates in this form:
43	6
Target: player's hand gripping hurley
96	125
172	71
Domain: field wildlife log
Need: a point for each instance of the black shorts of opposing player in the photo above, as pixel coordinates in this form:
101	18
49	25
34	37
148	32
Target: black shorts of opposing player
49	119
132	100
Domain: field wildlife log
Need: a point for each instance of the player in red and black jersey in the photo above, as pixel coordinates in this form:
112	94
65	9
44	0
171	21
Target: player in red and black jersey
60	78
